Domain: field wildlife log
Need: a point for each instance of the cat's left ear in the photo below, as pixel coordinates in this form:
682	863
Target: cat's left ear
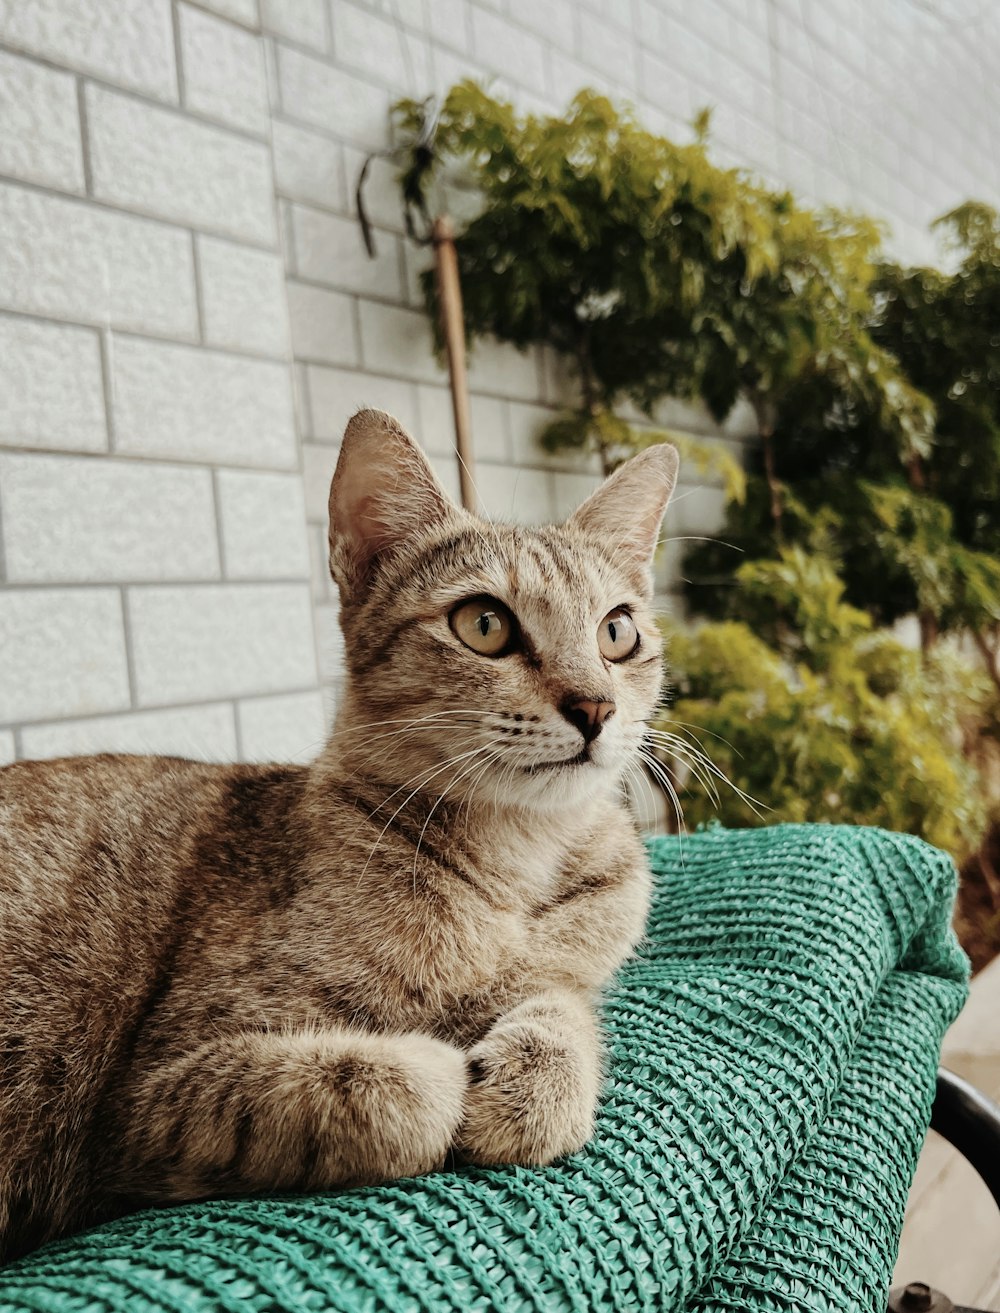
627	508
383	493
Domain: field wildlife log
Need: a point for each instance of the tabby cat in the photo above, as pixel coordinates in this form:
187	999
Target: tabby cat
221	979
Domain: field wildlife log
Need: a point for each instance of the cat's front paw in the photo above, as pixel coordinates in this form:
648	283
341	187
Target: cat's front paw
531	1097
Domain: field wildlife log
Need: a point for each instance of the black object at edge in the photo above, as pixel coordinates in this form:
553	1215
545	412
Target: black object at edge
970	1122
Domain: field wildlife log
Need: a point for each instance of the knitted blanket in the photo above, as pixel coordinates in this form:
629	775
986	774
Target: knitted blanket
771	1061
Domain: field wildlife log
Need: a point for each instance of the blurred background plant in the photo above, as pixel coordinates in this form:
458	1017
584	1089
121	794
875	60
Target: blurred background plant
873	493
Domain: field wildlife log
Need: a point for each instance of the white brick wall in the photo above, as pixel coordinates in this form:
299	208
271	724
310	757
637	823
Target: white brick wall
163	577
51	389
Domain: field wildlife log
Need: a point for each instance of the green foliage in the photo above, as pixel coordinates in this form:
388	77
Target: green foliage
827	721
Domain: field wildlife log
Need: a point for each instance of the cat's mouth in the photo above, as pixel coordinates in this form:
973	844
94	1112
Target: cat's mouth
581	758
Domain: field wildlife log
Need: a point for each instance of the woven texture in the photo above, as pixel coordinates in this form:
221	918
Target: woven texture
772	1057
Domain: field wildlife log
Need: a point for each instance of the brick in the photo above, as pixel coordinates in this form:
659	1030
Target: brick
508	49
605	46
696	509
330	249
515	494
526	423
241	11
224	640
184	403
263	525
319	567
72	260
7	751
666	85
570	491
51	386
287	728
40	141
308	166
79	520
322	324
161	162
501	369
560	386
330	645
552	20
130	42
318	464
373	45
300	20
329	98
437	424
397	341
335	395
243	297
223	69
62	652
446	469
568	76
205	733
448	24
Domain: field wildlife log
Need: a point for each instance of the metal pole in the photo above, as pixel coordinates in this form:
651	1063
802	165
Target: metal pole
453	331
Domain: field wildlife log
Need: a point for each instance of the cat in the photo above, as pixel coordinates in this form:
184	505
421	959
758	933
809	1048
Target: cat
222	979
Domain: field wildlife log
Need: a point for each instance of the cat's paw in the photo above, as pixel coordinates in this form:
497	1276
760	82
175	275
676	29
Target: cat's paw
531	1097
397	1102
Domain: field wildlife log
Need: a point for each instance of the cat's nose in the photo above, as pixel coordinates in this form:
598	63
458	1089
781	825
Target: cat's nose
589	717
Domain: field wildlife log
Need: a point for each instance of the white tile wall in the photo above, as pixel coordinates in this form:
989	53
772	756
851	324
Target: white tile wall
263	525
62	652
165	164
147	310
82	520
243	297
129	42
205	733
223	71
195	404
322	324
51	386
287	728
41	138
264	631
70	260
303	21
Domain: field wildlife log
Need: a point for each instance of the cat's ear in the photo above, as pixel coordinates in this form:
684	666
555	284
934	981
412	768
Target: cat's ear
383	493
627	508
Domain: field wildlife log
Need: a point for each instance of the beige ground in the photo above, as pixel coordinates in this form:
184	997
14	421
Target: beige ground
951	1238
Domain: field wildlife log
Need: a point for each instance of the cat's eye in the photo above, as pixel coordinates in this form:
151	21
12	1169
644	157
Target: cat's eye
485	625
617	636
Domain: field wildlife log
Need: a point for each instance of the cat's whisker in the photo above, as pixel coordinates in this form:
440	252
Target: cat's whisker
431	715
661	775
423	829
688	725
695	761
670	743
422	784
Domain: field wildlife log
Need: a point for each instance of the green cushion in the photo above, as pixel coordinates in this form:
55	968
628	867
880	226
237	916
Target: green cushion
772	1053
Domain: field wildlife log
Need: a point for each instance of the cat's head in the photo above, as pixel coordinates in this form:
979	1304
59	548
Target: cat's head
514	665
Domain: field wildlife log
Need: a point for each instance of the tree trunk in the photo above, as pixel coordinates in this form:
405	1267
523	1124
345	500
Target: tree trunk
763	409
989	655
929	629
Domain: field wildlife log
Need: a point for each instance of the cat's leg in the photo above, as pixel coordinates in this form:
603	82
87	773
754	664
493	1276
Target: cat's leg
534	1082
306	1109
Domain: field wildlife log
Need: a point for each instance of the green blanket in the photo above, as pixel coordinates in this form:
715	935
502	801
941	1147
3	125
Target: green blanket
771	1064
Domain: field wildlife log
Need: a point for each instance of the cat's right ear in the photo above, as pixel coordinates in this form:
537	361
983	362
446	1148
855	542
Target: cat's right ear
383	493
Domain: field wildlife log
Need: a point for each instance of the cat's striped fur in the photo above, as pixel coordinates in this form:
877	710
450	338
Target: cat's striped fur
217	979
